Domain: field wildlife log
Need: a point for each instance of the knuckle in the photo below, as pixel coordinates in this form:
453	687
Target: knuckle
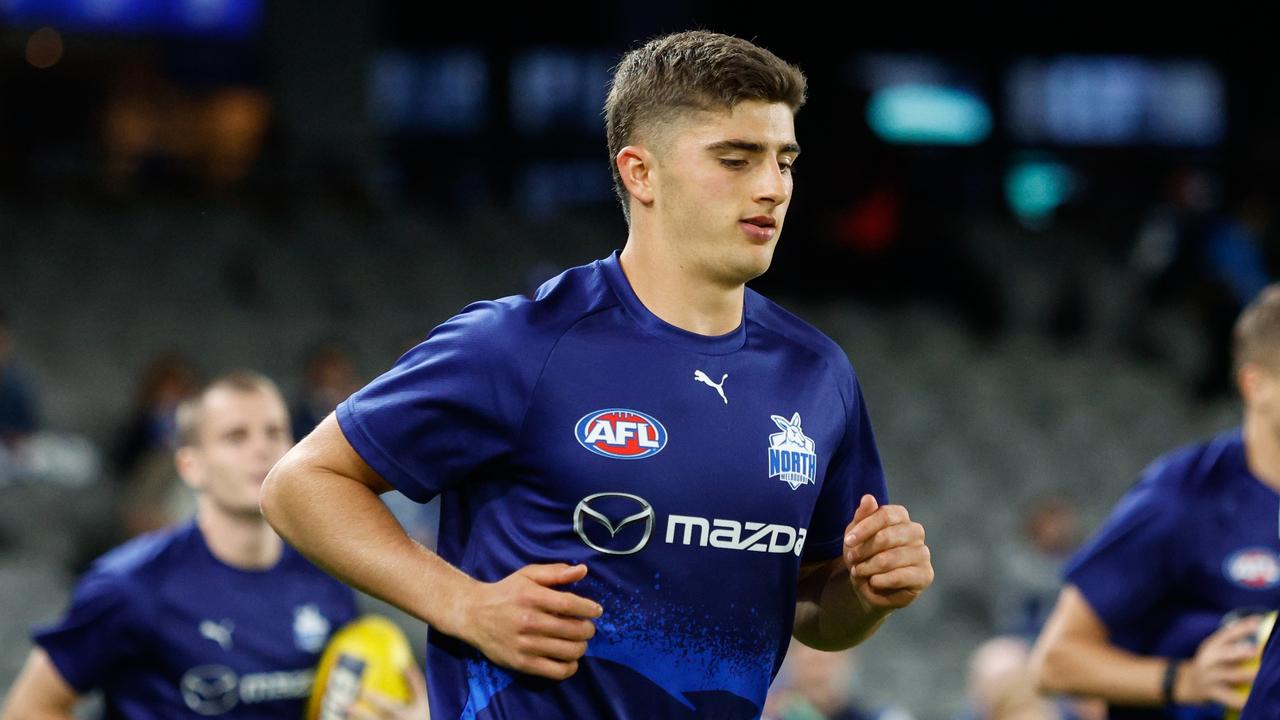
526	621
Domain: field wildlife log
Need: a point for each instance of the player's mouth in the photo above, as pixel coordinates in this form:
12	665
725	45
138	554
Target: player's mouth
760	227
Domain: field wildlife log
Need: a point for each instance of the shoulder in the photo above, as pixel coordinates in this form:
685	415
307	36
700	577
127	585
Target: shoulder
146	555
804	338
1196	467
524	323
128	575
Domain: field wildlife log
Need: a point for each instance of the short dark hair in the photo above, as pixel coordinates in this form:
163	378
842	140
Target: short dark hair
690	71
190	413
1256	337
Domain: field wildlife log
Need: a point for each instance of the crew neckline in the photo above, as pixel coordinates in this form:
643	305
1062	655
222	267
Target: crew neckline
203	543
656	326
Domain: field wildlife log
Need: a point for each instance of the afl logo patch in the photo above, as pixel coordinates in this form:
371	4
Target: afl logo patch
1253	568
621	434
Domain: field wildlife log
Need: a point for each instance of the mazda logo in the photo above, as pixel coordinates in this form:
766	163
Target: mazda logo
591	507
210	689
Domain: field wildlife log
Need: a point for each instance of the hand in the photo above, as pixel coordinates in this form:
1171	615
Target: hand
520	623
1217	670
885	554
373	705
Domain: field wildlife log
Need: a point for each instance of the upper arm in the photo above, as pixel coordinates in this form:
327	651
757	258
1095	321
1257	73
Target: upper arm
1073	618
327	450
1069	634
40	691
854	470
449	406
1127	566
807	569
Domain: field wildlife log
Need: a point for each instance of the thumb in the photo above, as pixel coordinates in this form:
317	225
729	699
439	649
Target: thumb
554	574
865	508
417	682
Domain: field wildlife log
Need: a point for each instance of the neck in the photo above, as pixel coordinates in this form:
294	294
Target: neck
1262	451
673	289
244	542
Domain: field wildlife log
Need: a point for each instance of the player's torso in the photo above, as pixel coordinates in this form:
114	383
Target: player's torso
686	482
1230	562
224	642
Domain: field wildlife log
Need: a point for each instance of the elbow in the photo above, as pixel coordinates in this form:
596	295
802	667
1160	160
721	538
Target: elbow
270	498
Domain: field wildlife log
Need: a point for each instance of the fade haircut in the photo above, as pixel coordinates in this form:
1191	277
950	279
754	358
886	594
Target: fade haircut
674	75
1256	337
190	415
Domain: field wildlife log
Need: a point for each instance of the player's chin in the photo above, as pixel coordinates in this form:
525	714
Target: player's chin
755	262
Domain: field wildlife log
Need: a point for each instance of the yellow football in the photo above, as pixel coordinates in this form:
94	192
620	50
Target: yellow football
368	653
1259	641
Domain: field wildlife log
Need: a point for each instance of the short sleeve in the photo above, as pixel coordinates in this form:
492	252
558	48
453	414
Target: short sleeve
1122	571
854	471
448	407
95	635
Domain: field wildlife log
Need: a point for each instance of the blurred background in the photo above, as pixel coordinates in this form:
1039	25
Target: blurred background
1031	234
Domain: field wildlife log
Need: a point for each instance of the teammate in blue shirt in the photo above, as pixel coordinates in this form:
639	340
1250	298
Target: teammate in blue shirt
1148	619
705	453
214	617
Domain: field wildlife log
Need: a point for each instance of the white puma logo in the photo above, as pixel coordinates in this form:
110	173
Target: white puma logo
219	632
701	377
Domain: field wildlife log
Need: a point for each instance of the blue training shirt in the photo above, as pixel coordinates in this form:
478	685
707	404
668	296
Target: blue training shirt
1193	540
692	474
167	630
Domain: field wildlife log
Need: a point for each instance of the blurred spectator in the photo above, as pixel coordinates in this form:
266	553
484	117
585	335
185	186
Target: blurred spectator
1031	572
816	685
156	122
1239	267
152	496
330	378
1000	684
1205	263
17	400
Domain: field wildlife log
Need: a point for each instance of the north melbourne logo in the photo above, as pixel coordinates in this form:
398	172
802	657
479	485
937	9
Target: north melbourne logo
791	453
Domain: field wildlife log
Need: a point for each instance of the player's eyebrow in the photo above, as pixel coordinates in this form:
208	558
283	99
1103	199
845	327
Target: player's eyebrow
750	146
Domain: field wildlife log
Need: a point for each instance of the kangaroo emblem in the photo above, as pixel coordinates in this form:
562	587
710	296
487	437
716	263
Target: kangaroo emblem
701	377
792	456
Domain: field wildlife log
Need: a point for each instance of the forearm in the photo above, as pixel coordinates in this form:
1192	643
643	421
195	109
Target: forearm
829	615
344	528
1072	666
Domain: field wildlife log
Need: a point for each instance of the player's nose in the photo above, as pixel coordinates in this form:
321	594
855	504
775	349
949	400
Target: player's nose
772	184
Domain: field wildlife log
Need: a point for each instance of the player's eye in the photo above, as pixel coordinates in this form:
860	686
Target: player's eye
733	162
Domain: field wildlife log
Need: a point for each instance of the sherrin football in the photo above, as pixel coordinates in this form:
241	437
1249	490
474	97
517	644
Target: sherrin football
369	652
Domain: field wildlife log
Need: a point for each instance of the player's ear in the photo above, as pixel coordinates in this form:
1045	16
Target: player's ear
1257	383
635	166
189	463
